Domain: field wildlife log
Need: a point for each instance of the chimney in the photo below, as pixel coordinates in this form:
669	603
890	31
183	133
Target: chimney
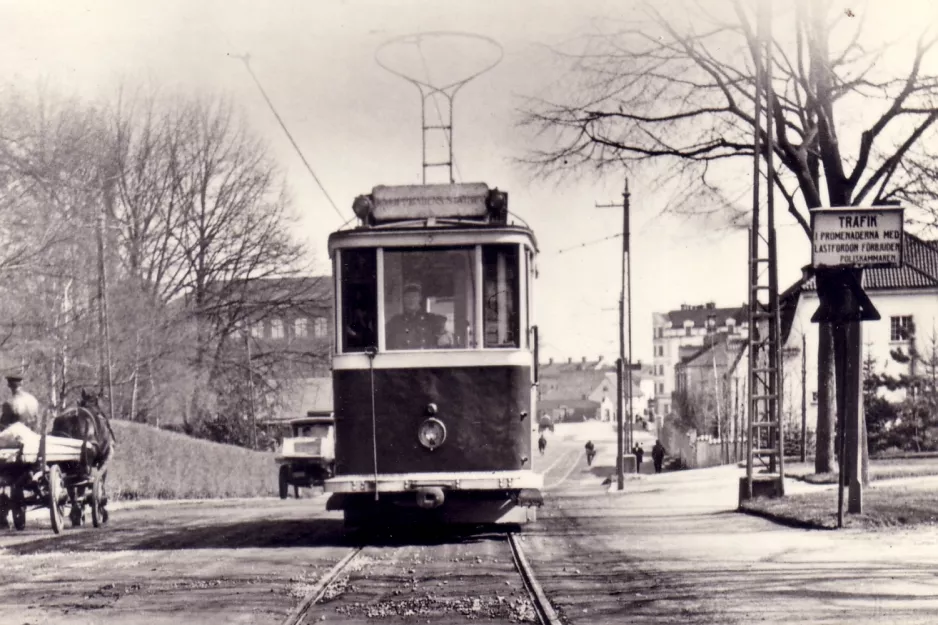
583	360
569	360
550	360
600	359
711	305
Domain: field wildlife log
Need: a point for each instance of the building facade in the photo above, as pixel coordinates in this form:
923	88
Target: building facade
687	328
907	301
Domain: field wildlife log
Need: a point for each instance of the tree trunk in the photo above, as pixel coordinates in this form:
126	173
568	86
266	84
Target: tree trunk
826	400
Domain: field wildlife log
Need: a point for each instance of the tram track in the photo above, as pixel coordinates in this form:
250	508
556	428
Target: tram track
472	576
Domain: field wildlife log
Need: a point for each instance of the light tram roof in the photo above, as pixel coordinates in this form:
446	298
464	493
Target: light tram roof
440	215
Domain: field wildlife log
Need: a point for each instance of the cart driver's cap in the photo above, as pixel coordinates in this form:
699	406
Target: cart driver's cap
412	287
14	378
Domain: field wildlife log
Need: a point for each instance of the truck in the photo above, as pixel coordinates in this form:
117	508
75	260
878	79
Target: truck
307	458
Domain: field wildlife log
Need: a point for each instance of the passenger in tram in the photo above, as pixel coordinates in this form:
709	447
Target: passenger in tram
415	328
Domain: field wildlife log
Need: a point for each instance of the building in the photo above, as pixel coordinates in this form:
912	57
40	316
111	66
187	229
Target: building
688	327
577	391
906	298
284	328
707	382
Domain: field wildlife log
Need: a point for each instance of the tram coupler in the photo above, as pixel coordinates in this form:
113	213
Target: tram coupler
429	497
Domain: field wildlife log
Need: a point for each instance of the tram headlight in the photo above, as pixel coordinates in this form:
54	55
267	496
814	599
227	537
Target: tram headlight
431	433
363	207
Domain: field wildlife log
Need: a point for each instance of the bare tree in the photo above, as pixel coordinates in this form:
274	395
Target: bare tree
50	193
672	95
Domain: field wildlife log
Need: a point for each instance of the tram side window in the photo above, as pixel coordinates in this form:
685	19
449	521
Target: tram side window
501	303
429	299
359	299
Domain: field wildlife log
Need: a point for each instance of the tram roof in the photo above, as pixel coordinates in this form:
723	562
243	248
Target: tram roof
433	215
422	235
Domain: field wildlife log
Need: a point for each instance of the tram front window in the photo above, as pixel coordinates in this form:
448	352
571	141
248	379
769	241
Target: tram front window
501	289
429	299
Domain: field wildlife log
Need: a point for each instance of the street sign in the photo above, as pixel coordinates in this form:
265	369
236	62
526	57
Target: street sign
842	298
856	237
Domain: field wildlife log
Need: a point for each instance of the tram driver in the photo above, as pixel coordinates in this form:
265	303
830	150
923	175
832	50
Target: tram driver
414	328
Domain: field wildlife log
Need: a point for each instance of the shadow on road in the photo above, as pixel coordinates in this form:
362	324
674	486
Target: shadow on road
263	534
254	534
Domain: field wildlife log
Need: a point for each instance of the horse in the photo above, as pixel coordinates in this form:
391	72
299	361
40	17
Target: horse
88	422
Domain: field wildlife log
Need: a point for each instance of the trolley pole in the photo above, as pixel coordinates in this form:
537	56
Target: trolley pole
623	366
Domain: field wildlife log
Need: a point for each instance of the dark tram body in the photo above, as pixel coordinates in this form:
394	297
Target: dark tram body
434	370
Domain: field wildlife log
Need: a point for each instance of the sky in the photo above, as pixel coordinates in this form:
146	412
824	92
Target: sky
359	126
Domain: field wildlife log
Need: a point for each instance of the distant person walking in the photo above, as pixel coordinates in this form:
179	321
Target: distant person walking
541	444
590	452
639	454
657	455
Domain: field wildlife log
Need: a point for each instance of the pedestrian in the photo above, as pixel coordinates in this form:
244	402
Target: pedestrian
639	454
590	453
657	455
21	407
541	444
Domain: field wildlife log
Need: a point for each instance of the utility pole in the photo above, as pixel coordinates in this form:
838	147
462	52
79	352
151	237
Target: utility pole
104	327
804	398
247	341
623	378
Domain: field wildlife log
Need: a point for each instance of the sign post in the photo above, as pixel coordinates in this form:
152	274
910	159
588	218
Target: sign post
844	242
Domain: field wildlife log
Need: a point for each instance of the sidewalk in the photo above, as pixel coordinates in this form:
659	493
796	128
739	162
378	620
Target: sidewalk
670	548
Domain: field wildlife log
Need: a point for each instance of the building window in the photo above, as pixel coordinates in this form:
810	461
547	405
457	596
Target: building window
688	330
257	329
301	328
319	327
661	387
660	350
900	328
276	329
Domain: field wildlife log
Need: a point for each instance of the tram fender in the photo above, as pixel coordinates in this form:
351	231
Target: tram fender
336	501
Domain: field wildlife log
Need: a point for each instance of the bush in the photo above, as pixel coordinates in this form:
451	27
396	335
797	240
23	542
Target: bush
156	464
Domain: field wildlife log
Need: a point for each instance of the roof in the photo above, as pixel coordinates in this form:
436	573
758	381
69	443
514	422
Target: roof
698	315
572	404
722	351
305	288
919	271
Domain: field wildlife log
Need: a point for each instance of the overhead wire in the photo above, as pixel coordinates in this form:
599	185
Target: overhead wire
584	244
309	168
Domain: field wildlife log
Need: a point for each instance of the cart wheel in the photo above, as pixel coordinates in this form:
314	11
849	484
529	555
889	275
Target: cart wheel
284	482
55	498
97	501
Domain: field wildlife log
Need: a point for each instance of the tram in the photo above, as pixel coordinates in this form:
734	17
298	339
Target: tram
435	364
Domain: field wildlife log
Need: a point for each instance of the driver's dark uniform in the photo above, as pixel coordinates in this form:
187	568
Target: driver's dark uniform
420	330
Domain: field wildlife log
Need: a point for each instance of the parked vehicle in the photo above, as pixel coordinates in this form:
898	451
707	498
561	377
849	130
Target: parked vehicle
307	458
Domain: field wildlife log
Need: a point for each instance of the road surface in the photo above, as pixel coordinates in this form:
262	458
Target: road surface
667	549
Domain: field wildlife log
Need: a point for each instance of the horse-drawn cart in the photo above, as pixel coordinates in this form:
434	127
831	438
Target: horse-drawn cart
49	471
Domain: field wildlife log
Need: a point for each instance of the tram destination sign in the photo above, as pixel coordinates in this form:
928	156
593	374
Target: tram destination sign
856	237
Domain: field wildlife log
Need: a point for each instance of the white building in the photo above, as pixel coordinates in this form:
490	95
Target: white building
687	327
906	297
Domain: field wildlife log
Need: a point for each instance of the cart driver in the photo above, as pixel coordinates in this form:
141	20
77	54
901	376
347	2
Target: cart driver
415	328
21	407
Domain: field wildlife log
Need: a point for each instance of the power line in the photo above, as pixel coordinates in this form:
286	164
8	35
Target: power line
584	244
273	110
